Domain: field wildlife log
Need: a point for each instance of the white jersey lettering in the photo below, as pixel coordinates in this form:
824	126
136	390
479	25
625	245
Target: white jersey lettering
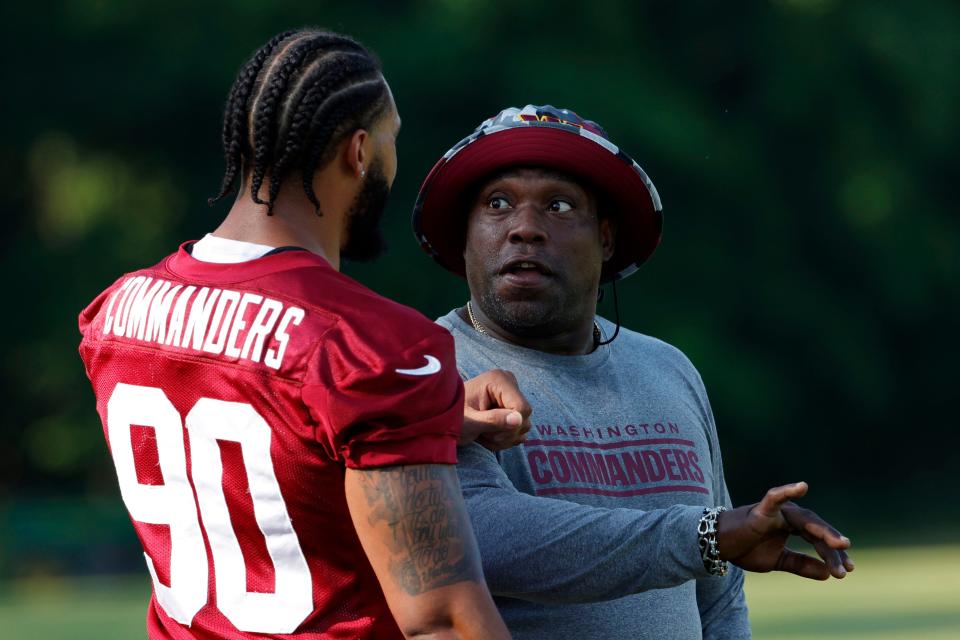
203	319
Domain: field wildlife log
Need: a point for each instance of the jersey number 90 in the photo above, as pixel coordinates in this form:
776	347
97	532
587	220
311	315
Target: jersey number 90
173	504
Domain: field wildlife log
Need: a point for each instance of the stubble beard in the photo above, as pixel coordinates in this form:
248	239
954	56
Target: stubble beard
540	317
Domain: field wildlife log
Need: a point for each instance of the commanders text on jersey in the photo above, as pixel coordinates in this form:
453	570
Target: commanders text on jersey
155	310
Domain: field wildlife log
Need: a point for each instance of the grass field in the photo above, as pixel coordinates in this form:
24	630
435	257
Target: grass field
894	594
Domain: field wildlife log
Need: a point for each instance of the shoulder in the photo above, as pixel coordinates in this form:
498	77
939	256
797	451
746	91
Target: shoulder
473	353
365	335
336	300
658	363
106	297
448	321
376	319
637	342
651	352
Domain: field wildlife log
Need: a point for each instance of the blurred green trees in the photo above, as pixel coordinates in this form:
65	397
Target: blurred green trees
805	151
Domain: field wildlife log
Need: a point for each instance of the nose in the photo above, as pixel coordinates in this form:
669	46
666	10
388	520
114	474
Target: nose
526	226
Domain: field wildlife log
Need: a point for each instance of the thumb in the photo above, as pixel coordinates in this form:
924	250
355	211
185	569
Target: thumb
490	423
494	419
776	497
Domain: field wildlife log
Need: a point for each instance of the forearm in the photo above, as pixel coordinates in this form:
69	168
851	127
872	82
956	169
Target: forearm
547	550
474	618
414	529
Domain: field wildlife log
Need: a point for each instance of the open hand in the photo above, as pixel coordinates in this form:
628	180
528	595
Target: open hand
754	537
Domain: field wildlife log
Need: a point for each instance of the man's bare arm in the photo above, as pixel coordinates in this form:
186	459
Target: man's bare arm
414	528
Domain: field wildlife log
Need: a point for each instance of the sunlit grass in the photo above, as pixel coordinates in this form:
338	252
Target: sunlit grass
894	594
75	608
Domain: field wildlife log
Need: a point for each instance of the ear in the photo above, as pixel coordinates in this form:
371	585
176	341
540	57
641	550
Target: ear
608	233
355	153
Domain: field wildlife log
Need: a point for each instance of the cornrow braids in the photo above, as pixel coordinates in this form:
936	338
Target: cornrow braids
234	139
265	113
317	116
292	103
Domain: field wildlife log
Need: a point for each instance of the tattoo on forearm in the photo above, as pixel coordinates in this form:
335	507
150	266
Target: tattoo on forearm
431	540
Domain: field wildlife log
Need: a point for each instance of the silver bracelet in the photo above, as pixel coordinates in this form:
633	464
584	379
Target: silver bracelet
707	539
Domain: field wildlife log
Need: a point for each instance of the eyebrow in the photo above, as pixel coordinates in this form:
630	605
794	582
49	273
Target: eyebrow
484	188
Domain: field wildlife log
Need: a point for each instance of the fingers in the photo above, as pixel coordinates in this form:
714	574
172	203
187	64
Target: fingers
501	420
500	389
847	561
757	544
815	527
809	567
499	442
803	565
831	558
821	530
495	413
476	395
494	428
830	544
507	394
778	496
844	565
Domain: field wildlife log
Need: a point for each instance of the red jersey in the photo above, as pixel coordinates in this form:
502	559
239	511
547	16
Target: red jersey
232	397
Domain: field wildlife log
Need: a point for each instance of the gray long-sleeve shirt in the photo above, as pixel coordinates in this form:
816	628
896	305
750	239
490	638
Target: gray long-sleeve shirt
588	530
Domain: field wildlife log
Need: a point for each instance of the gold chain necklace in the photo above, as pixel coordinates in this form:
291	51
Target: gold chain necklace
473	320
597	336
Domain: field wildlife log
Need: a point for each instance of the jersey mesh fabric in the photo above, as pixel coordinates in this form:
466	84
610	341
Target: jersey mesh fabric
336	400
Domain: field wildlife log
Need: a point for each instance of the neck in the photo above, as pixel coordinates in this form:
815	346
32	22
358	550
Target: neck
294	221
578	340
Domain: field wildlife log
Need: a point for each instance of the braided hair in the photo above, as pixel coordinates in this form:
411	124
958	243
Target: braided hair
292	103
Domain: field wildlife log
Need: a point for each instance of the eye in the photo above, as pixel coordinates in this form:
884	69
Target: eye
559	206
498	202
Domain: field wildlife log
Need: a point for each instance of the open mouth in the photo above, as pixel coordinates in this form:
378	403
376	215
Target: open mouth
525	266
526	273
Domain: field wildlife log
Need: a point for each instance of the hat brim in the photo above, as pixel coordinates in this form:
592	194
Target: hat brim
440	224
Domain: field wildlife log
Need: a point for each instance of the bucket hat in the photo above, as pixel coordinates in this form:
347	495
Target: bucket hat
540	136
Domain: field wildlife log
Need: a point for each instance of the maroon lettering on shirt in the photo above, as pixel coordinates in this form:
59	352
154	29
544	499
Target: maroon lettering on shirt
616	460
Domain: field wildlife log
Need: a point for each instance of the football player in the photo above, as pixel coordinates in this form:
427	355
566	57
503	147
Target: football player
284	438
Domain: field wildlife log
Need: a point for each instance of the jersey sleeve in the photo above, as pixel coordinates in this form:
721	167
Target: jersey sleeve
387	397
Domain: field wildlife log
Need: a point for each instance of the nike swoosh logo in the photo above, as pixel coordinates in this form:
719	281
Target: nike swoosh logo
432	366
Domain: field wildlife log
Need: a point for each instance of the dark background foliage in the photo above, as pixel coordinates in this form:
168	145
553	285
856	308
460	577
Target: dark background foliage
805	152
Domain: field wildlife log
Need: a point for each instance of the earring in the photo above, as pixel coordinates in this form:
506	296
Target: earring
363	172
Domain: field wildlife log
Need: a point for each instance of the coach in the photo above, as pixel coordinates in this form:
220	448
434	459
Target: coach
609	521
